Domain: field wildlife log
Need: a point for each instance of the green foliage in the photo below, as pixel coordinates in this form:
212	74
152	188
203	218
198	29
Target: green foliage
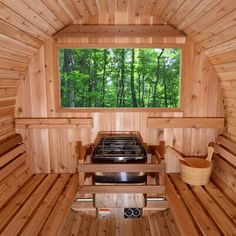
119	77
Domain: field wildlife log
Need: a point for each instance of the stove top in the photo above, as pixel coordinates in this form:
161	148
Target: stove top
119	149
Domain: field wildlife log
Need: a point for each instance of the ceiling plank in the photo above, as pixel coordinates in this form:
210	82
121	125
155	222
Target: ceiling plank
217	39
20	22
57	9
13	55
171	9
183	11
216	13
25	11
41	9
217	27
16	33
16	45
199	11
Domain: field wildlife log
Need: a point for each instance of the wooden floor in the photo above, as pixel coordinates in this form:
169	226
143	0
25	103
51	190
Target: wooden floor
160	223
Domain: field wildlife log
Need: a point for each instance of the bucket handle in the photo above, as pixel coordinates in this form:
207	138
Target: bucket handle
180	157
210	151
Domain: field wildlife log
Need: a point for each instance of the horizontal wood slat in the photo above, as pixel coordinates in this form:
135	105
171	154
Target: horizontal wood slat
12	166
224	188
231	158
120	30
12	154
14	187
58	216
15	203
121	167
9	143
180	213
38	219
222	200
7	103
152	189
224	223
154	122
14	227
226	143
24	123
5	111
205	224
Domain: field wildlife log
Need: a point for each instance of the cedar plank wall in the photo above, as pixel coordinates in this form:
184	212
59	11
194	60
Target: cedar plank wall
25	25
54	149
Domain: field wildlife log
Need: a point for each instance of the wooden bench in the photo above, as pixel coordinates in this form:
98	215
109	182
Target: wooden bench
31	204
208	209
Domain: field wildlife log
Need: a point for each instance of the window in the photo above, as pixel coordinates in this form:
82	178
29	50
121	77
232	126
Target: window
119	78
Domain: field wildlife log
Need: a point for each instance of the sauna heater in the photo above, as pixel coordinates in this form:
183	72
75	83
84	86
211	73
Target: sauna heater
119	148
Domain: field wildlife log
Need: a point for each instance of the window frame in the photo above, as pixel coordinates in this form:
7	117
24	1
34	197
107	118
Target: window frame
57	89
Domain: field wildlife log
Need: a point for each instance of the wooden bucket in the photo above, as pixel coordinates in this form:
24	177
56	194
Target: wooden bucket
198	173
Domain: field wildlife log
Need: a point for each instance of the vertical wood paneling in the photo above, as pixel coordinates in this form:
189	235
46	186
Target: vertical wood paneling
210	25
38	87
59	144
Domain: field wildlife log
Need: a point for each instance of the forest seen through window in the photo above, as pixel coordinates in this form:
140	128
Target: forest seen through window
114	78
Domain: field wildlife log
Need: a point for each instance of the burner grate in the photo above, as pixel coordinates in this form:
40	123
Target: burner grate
119	148
125	146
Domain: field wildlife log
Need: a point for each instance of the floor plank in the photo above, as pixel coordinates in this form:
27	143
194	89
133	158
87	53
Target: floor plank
155	224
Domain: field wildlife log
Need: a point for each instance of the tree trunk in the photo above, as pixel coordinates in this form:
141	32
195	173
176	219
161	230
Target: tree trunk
104	77
67	69
134	100
165	86
121	86
95	101
143	91
154	98
139	90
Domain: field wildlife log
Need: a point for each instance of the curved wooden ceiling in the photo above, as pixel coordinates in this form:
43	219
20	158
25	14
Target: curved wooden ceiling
210	24
207	23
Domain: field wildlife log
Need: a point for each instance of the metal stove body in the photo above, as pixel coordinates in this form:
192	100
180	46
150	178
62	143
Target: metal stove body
119	148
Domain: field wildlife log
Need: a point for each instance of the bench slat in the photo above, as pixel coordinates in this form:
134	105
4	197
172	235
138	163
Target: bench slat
152	189
42	213
12	166
223	201
12	154
224	188
9	181
11	190
226	143
224	165
205	224
12	207
9	143
226	177
12	183
231	158
180	213
18	222
56	220
224	223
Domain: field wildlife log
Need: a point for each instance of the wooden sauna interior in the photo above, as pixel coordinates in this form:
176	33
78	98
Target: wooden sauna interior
42	147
